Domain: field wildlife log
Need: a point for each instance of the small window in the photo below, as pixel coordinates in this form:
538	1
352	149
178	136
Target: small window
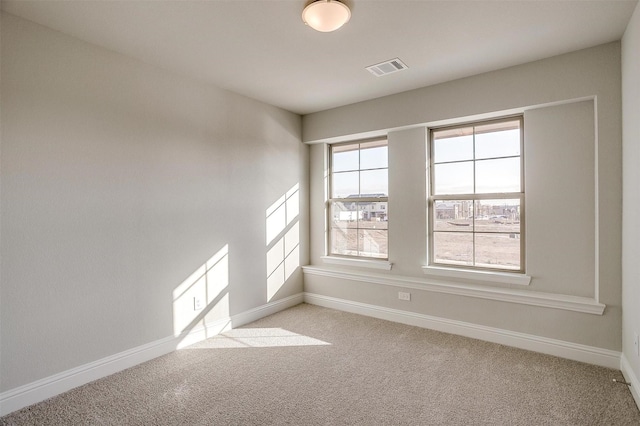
358	197
477	196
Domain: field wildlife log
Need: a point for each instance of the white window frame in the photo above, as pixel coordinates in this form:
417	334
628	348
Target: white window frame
353	260
447	269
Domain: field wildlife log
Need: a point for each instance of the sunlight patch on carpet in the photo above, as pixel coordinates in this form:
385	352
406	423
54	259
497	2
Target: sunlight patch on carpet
257	338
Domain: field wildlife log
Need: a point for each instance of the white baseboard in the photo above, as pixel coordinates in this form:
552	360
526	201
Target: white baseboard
270	308
201	333
560	348
42	389
48	387
630	377
220	326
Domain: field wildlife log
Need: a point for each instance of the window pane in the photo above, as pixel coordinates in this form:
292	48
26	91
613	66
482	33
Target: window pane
344	241
455	248
373	155
344	215
498	250
344	184
453	147
374	183
345	158
372	215
505	143
453	178
453	216
477	159
357	227
372	243
495	176
497	215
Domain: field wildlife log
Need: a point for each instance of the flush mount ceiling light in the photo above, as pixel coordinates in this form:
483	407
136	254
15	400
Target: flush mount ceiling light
326	15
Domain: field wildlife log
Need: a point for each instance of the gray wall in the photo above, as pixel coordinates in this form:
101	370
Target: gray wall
631	190
119	181
572	108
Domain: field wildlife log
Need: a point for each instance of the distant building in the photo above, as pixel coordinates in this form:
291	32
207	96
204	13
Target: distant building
362	210
465	210
454	210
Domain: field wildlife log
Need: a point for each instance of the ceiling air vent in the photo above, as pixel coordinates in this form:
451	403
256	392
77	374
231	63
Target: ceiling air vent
387	67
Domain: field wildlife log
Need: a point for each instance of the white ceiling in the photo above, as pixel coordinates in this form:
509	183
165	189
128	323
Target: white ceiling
261	48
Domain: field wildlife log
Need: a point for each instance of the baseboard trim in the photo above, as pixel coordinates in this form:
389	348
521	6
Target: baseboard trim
31	393
630	377
266	310
224	324
42	389
574	351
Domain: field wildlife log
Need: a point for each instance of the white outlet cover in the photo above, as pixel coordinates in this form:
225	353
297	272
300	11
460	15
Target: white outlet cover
198	303
404	295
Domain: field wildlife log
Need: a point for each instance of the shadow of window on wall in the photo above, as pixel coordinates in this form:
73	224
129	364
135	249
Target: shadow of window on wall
283	240
202	298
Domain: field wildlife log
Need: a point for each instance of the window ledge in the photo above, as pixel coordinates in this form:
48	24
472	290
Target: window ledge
362	263
509	295
476	275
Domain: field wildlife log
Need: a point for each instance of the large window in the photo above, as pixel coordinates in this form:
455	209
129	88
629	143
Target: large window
477	196
358	195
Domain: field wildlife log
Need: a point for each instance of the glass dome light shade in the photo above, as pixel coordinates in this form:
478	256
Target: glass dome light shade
326	15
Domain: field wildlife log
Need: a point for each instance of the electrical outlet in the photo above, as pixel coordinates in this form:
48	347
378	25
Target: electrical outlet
636	347
404	296
198	303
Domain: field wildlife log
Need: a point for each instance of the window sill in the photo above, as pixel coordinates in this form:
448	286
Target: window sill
508	295
362	263
484	276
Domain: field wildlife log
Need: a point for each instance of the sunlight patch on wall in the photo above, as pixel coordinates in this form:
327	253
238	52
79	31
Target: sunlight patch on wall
283	253
282	260
283	212
276	219
202	296
257	338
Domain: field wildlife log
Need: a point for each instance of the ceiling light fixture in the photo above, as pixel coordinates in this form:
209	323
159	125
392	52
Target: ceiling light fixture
326	15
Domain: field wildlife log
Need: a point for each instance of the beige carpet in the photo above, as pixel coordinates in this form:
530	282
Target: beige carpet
315	366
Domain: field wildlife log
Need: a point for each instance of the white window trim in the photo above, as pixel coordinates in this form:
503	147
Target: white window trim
362	263
477	275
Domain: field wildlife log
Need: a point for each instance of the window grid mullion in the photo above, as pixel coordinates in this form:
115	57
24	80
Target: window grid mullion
357	203
473	249
466	161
